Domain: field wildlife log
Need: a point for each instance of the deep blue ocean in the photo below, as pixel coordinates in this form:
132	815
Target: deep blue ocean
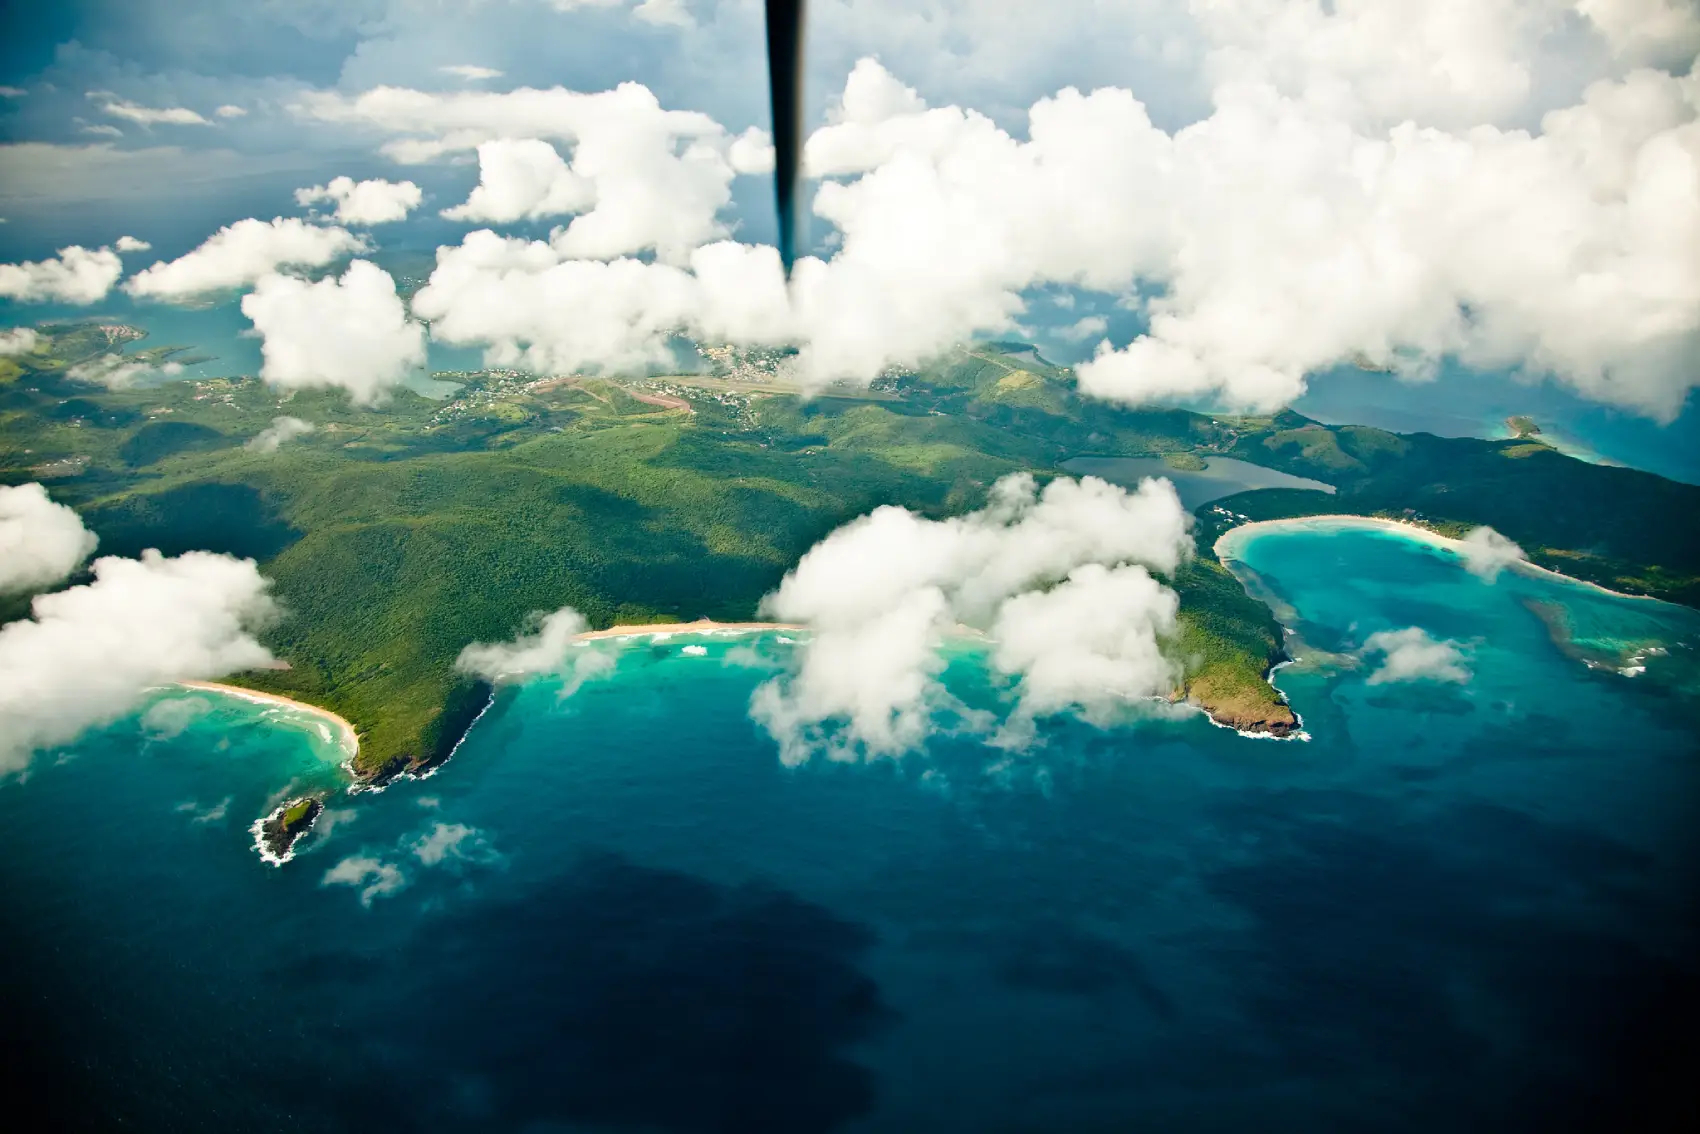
1456	907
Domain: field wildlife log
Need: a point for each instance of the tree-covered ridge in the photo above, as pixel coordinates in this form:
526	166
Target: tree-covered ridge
1623	528
396	536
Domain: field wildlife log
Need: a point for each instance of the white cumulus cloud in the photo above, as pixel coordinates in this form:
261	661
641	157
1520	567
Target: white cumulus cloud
89	654
131	244
1086	327
1089	644
522	179
77	275
41	542
452	843
1284	239
752	151
1486	553
1453	63
1654	31
509	295
239	254
1573	251
657	178
372	877
452	846
471	72
1413	654
1278	236
147	115
119	372
212	813
664	13
170	716
550	647
353	332
21	340
882	593
364	202
283	428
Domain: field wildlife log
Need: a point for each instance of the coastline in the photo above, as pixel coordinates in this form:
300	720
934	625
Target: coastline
1297	732
350	740
376	782
700	626
263	837
1223	547
708	626
1333	520
350	743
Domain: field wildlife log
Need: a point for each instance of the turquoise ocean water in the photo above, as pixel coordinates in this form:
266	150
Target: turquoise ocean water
1458	906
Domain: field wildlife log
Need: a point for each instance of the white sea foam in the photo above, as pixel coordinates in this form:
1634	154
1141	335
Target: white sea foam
1298	732
468	732
258	830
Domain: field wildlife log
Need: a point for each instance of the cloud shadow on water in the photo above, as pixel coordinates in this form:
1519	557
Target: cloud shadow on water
629	998
1499	958
1061	960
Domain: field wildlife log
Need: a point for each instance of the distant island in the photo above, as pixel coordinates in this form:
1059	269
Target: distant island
396	536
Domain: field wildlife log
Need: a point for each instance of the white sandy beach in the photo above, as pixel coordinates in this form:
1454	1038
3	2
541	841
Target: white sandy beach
1225	544
350	738
701	626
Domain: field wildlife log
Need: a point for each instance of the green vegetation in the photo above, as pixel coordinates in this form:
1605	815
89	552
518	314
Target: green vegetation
280	830
1185	462
1628	530
1228	642
158	440
397	536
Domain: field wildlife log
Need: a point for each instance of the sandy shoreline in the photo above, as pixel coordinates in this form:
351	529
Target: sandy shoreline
1334	520
1224	548
350	738
700	626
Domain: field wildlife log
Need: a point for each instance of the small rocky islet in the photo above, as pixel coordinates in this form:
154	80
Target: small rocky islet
278	832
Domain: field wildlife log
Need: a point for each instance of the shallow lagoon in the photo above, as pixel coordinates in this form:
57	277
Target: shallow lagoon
1458	905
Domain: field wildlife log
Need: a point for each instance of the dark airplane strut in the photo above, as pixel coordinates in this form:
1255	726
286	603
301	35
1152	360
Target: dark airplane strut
785	86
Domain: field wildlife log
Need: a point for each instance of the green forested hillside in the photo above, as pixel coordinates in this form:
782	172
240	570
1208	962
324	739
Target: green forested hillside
397	536
1625	529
